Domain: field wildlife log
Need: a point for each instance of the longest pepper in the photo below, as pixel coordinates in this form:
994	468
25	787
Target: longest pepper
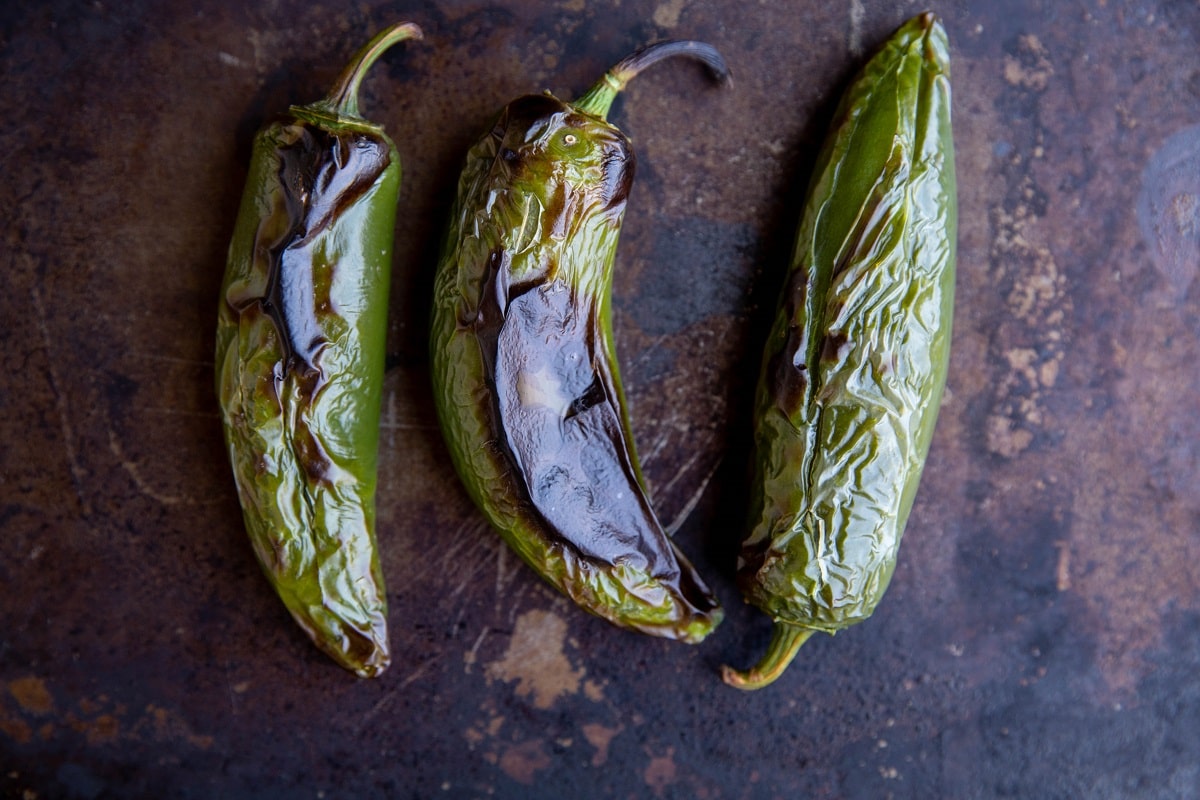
300	359
525	376
857	357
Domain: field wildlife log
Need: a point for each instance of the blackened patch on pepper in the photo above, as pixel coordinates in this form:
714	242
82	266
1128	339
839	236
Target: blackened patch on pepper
563	434
529	122
833	346
591	396
489	315
321	174
618	165
788	367
558	211
311	455
790	373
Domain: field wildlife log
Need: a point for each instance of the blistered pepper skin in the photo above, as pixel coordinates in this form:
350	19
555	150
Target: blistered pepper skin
301	340
856	360
525	373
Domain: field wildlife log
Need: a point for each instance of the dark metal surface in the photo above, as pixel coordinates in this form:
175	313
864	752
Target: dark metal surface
1041	637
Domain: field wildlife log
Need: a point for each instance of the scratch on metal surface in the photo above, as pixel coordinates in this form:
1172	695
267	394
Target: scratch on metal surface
177	412
189	362
468	577
131	468
471	526
1062	572
387	699
687	465
504	575
857	14
233	704
514	601
60	403
472	655
692	501
389	423
659	443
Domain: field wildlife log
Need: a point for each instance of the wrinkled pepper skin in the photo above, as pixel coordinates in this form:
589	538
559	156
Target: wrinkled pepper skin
856	360
300	353
525	375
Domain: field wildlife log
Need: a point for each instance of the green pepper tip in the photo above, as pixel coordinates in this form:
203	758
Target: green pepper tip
786	640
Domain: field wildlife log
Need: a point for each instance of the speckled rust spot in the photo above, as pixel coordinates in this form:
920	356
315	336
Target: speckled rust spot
600	737
31	695
661	773
98	730
523	761
15	728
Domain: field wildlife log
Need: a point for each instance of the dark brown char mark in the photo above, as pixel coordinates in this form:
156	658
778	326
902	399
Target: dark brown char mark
523	118
321	174
787	369
569	459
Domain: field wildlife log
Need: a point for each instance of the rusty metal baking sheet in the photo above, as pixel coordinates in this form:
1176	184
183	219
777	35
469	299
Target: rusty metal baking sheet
1041	637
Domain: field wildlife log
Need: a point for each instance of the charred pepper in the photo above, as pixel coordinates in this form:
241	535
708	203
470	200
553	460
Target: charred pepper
525	376
857	357
300	359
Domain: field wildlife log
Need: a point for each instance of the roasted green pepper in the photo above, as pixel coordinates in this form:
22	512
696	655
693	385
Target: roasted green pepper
856	360
300	358
525	376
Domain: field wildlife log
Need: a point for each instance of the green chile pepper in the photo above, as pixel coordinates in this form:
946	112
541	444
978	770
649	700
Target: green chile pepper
857	357
300	359
525	376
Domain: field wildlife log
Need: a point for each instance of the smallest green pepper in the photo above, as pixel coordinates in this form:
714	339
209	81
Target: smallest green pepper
300	353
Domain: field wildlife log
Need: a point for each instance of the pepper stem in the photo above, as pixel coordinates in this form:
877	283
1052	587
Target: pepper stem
342	101
598	99
785	642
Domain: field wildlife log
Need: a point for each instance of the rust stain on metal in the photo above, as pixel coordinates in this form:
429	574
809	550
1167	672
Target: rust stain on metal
522	762
536	662
600	737
661	772
1031	67
31	695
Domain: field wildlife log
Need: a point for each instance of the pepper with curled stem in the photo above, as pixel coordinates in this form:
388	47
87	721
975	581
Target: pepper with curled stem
857	357
300	354
525	375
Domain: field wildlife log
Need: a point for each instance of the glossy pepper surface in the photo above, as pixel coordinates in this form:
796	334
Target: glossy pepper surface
525	376
856	360
300	358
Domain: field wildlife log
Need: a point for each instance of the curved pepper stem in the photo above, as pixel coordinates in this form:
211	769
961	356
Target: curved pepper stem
785	643
598	99
342	100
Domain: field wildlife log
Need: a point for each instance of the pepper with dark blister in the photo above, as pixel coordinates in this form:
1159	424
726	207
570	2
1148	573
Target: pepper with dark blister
857	357
300	359
525	376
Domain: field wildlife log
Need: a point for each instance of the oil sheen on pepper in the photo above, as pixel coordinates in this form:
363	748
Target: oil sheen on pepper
525	375
300	358
857	357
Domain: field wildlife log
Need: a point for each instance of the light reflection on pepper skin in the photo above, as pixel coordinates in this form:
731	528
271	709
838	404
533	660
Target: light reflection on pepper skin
856	361
301	341
525	372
